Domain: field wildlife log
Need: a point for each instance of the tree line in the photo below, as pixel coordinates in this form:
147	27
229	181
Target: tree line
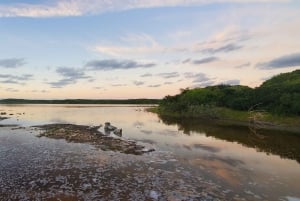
278	95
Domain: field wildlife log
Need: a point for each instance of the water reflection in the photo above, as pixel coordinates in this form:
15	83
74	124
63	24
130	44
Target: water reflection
284	144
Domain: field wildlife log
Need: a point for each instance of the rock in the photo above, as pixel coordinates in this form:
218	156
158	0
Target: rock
145	150
118	132
109	127
154	195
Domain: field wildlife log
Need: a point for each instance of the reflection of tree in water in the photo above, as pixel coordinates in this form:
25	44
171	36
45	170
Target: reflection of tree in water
284	144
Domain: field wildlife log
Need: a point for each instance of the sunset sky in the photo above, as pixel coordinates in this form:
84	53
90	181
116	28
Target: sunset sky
99	49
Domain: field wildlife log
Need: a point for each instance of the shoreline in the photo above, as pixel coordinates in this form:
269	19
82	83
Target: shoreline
225	119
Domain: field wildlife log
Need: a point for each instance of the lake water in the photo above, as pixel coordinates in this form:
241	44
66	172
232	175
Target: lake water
194	160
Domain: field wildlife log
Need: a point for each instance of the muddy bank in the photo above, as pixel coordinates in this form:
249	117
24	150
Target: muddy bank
91	135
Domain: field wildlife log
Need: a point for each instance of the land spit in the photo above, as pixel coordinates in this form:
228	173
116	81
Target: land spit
91	135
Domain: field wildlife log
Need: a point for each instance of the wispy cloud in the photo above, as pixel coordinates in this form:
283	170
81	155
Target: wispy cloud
146	75
72	73
224	48
61	83
204	60
113	64
39	91
118	85
11	90
154	85
199	79
231	82
12	62
168	83
203	84
138	83
80	7
10	82
70	76
291	60
243	65
168	75
15	79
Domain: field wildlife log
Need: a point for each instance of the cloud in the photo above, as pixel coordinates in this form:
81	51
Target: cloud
203	84
200	79
154	86
12	90
168	75
39	91
118	85
243	65
112	64
138	83
225	48
286	61
10	82
87	7
143	45
186	61
205	60
146	75
231	82
193	75
168	83
72	73
12	63
135	44
61	83
15	79
70	76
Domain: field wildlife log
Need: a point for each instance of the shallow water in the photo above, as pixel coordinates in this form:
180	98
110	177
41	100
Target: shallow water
194	160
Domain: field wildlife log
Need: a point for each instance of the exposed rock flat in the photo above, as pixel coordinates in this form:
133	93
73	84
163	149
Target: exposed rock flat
87	134
2	118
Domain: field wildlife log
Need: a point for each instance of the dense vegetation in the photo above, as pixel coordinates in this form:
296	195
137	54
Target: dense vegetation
278	95
80	101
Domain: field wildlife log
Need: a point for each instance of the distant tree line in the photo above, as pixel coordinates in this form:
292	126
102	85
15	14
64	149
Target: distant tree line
278	95
80	101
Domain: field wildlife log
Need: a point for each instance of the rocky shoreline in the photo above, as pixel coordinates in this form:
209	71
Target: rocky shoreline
91	135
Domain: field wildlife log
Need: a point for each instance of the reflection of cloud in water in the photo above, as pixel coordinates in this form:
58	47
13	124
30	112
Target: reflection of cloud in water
226	168
168	132
206	148
146	141
176	146
187	147
148	132
138	124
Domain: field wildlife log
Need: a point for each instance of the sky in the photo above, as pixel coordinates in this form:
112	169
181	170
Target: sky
122	49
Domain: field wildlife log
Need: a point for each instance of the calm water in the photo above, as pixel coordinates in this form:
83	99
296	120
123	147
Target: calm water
194	160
